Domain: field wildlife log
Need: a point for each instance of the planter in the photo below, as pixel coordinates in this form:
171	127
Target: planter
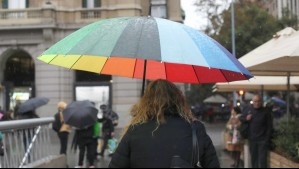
278	161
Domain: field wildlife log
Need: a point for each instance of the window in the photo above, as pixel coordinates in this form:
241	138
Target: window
159	8
4	4
15	4
91	3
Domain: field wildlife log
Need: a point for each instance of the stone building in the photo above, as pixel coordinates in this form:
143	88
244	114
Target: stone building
29	27
277	7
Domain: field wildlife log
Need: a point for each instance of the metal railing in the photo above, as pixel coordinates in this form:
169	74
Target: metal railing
25	141
90	14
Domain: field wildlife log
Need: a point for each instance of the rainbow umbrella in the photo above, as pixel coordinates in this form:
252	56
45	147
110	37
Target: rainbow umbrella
146	48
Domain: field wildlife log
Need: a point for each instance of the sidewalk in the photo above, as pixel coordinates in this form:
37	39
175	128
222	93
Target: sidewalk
214	131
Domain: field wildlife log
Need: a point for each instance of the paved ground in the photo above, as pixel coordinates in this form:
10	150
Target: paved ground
214	131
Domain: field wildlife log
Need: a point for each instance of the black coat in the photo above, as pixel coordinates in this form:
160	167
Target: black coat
142	147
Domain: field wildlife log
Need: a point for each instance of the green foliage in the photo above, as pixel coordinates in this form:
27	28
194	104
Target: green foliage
198	93
288	19
253	27
212	10
286	138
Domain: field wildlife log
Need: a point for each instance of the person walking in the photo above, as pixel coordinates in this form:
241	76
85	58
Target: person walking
260	131
107	132
235	143
160	129
61	128
86	140
110	114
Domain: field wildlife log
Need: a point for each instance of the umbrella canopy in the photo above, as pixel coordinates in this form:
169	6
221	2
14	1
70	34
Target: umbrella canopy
278	101
215	99
32	104
146	48
279	56
80	114
266	83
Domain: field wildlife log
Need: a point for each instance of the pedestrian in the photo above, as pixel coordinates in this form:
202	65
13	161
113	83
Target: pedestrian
110	114
61	128
8	116
260	132
86	141
160	129
27	115
1	111
235	143
107	131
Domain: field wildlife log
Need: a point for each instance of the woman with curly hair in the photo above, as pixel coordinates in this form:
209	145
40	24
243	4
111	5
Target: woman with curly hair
160	129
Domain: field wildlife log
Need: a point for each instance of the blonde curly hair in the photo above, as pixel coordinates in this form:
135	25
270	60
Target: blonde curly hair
160	96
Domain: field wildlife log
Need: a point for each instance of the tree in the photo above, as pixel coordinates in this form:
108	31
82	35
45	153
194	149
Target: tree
198	93
211	9
253	26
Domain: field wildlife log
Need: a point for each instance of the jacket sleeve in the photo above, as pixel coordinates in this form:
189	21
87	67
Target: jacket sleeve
121	157
269	126
209	157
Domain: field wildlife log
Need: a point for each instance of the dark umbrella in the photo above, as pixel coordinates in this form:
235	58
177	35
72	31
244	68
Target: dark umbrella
32	104
80	114
278	101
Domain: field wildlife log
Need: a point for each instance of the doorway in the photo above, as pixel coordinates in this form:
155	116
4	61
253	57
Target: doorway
93	87
19	78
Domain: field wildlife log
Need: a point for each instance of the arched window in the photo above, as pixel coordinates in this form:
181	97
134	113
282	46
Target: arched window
19	69
19	78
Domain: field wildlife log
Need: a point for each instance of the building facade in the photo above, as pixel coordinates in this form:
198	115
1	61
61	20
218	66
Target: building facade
29	27
277	7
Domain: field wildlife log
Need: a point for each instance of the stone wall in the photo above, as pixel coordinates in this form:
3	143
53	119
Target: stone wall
278	161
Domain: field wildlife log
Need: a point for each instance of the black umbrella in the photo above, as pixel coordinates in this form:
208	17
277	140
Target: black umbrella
32	104
80	114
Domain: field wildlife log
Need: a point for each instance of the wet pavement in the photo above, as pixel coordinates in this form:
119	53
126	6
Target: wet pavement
214	131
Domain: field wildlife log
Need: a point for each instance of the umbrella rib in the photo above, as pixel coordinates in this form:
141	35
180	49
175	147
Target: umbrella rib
104	65
76	62
224	75
52	59
165	70
134	68
137	49
195	74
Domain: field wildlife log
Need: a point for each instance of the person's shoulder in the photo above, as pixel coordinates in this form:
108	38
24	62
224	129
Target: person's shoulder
199	124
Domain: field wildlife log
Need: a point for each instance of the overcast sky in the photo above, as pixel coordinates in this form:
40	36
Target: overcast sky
194	19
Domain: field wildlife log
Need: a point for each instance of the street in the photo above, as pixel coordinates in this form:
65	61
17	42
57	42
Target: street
214	131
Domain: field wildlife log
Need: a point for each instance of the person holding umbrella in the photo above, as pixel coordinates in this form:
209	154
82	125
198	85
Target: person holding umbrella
61	128
160	130
83	116
27	109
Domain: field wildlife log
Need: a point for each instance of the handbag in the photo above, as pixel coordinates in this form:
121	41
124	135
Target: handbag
178	162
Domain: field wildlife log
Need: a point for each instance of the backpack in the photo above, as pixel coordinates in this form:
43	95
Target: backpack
56	125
